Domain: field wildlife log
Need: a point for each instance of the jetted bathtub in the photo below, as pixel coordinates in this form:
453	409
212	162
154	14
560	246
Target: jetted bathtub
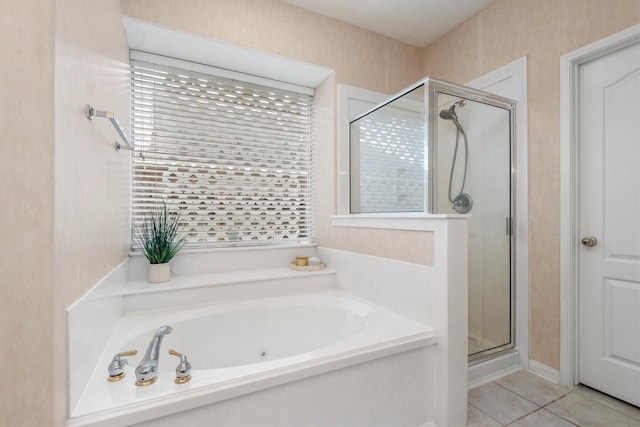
238	348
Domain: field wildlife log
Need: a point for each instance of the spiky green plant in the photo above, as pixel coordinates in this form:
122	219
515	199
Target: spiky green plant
159	236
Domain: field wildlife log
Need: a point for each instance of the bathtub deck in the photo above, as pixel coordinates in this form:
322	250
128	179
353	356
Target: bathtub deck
139	295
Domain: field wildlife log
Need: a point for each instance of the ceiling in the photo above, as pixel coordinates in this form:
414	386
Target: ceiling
416	22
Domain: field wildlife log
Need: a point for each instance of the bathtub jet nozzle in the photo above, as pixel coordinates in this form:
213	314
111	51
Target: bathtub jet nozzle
147	371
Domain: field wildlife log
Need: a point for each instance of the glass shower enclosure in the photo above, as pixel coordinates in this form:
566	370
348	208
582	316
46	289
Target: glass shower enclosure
443	148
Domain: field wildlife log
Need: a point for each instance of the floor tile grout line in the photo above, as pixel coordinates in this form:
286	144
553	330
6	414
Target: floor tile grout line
542	409
592	400
519	395
524	416
514	393
606	405
481	411
539	406
558	415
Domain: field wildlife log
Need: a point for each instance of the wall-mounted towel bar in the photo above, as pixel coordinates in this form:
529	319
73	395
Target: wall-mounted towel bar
91	113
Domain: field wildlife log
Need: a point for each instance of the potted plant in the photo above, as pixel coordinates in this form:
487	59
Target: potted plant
159	238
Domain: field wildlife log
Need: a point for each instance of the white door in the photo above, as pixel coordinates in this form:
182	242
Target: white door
609	224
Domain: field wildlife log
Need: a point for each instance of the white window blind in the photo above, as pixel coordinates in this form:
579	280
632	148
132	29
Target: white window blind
233	157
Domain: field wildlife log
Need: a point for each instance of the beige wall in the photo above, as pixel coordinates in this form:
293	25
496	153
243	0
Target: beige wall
91	179
63	186
27	192
360	58
543	30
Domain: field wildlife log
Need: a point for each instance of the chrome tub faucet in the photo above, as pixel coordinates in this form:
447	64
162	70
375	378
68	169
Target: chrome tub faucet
147	371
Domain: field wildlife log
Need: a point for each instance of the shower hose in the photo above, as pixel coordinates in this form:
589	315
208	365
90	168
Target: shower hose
459	131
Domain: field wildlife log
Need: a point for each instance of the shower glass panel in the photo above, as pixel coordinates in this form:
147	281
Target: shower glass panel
387	157
448	149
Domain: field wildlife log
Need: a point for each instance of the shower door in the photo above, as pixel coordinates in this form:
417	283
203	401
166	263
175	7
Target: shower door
473	175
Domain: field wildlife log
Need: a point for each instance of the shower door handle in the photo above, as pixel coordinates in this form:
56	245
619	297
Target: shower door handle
589	241
509	226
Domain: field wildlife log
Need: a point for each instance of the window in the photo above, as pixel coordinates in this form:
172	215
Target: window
234	157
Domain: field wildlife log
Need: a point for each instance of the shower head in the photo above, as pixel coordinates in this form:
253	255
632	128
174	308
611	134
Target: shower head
449	114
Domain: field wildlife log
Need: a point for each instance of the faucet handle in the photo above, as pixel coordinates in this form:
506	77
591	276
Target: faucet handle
116	367
183	370
127	353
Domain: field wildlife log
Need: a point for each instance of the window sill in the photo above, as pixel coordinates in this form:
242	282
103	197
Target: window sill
239	248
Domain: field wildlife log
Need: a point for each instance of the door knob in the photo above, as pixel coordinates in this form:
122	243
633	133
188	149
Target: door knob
589	241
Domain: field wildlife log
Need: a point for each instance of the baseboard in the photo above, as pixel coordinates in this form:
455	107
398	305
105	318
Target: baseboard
494	368
545	371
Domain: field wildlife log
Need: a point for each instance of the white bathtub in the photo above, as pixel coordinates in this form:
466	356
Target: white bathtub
248	346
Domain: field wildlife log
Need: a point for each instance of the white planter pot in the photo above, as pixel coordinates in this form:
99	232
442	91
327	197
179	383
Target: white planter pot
159	273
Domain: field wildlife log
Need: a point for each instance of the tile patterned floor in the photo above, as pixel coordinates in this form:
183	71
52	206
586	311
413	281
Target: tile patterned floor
523	399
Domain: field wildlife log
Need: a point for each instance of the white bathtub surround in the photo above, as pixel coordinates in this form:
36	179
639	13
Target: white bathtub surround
363	342
90	320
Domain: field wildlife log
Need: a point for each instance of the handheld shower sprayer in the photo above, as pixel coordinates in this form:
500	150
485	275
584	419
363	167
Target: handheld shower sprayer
462	203
449	114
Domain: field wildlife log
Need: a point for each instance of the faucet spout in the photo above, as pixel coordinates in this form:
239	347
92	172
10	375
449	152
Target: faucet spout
147	371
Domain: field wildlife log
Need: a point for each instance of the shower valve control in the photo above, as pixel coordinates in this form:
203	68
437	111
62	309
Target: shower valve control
589	241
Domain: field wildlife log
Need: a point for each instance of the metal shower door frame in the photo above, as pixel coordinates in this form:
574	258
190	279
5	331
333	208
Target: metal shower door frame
435	88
